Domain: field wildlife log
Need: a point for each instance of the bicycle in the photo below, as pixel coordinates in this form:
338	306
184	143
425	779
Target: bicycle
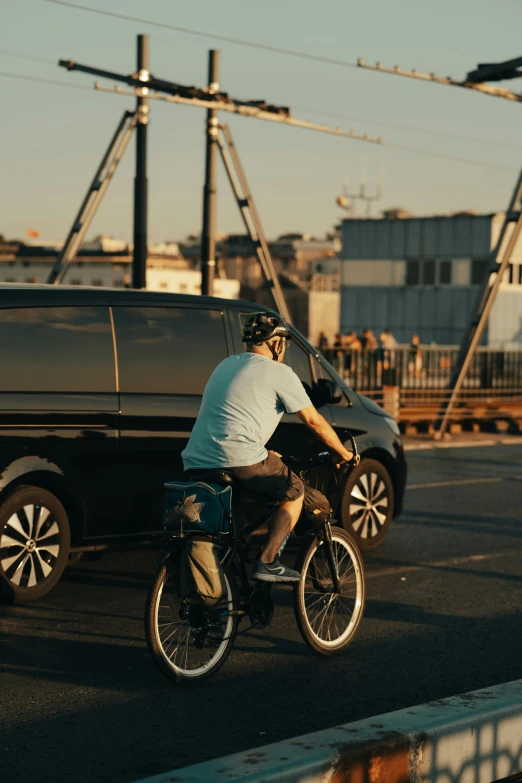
190	643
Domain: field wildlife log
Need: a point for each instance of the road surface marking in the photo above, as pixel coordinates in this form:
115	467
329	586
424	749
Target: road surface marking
514	440
452	561
486	480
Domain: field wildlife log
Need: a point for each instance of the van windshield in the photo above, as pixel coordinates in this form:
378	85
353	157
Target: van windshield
322	367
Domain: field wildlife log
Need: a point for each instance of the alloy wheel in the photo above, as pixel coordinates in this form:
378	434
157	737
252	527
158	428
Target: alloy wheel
29	545
368	505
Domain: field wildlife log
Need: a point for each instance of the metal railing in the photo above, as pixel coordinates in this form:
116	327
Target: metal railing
412	385
425	368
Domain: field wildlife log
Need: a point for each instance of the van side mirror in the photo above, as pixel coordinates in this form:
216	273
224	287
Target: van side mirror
326	392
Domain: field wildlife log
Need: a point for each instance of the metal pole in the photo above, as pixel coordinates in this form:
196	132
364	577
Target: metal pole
463	363
251	219
208	233
139	264
95	194
498	263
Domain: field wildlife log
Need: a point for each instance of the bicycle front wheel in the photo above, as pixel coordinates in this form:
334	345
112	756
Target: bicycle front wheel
327	619
188	643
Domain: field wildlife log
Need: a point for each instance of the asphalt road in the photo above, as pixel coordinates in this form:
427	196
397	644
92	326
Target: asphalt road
81	701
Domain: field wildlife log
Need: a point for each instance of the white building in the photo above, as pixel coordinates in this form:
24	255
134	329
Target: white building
188	281
112	272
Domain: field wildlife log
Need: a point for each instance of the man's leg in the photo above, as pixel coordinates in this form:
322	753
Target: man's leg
283	521
273	480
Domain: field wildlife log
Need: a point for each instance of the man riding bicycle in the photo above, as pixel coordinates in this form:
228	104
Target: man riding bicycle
243	402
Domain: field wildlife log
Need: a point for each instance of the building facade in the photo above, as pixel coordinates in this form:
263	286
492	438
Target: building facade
107	264
422	276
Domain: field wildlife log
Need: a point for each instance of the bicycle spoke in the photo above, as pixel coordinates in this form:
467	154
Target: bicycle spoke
192	637
341	561
179	645
325	615
173	622
331	615
174	640
318	600
186	648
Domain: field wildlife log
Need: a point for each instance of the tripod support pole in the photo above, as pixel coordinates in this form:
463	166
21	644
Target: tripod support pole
95	193
251	219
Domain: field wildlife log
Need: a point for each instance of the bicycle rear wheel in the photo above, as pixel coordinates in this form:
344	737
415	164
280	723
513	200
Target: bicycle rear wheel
188	643
328	620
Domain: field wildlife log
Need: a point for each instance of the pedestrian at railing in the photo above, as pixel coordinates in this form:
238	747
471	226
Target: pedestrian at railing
415	357
417	366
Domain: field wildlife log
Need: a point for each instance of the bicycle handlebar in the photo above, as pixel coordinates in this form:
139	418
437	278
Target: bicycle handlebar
326	456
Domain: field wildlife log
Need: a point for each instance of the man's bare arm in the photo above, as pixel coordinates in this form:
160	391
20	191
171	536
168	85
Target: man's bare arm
320	427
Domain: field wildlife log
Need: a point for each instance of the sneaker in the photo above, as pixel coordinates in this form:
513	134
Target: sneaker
274	572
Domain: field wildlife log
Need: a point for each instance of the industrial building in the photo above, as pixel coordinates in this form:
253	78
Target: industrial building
421	275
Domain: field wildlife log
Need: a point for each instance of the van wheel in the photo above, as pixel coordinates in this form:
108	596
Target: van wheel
34	544
367	502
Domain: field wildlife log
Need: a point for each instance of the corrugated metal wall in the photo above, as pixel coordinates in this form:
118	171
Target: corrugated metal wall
436	314
433	237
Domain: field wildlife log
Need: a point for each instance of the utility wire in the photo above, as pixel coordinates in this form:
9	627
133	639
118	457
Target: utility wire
24	56
416	150
23	76
453	158
320	112
397	126
213	36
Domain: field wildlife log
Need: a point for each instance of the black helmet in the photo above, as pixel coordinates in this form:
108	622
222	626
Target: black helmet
261	327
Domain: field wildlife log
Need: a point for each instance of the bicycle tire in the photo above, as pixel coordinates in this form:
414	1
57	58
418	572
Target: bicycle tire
156	645
340	539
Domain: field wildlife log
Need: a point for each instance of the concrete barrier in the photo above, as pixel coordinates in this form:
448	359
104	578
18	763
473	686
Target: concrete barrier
472	738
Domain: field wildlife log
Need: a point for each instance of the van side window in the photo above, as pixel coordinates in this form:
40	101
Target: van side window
56	349
167	350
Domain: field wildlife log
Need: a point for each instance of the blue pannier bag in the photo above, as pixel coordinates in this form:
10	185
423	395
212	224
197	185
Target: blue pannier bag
197	507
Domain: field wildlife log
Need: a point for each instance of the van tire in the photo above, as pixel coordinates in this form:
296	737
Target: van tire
35	540
367	522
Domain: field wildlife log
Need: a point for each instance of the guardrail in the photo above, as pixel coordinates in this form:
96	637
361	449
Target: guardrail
473	737
475	408
429	367
412	385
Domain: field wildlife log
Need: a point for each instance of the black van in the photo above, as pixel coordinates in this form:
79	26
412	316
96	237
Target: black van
99	390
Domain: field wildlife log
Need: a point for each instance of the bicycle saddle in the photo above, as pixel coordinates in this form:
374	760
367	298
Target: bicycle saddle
212	475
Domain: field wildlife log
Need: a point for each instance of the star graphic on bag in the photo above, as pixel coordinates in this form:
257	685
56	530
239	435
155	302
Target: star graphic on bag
190	510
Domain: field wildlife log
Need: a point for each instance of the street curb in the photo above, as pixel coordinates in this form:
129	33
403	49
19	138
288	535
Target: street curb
463	444
474	737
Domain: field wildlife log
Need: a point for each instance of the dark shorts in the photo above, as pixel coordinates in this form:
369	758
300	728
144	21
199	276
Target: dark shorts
273	481
270	478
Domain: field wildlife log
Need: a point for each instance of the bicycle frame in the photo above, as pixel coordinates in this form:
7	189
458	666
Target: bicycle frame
321	593
240	535
236	548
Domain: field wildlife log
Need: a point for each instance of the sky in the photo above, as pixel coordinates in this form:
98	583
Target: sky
52	137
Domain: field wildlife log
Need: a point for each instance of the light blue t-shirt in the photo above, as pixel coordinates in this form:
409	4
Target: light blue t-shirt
242	404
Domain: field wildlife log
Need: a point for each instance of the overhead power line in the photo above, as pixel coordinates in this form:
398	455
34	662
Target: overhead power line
417	151
213	36
24	77
453	158
320	112
24	56
409	128
468	84
244	109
